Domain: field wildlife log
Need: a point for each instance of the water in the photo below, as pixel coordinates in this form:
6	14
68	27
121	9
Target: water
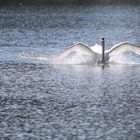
39	100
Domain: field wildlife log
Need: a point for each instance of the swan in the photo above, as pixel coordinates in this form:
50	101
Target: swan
81	53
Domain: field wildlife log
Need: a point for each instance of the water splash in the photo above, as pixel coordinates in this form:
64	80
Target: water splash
36	56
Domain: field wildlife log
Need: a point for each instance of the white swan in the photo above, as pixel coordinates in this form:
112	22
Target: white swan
80	53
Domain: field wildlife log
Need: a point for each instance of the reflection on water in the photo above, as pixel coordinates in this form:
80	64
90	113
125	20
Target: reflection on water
44	101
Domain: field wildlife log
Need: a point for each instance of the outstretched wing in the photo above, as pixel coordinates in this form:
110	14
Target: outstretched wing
76	54
124	53
123	47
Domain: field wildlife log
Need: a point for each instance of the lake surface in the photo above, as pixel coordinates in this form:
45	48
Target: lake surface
39	100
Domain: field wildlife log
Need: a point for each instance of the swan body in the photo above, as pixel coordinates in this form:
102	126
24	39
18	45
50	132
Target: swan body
96	48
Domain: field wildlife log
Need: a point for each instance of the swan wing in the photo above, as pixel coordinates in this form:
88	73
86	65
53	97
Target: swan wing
123	47
124	53
78	53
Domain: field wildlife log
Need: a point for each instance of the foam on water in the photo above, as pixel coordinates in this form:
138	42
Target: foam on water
24	54
36	56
